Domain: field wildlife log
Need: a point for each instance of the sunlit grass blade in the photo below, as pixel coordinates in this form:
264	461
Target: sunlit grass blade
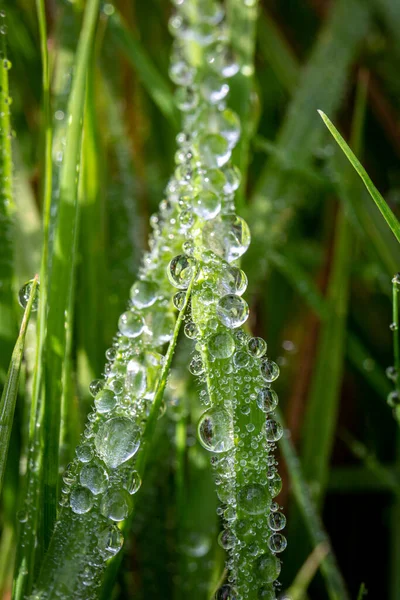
10	391
334	581
155	84
380	202
7	209
63	265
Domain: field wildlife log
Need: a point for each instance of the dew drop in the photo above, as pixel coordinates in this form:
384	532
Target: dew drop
179	300
277	542
269	370
276	521
132	482
232	310
136	378
267	400
206	205
254	499
24	293
257	347
94	478
221	345
116	505
84	453
117	440
81	500
105	401
227	236
110	540
273	430
268	567
232	281
215	430
143	293
131	324
181	270
95	386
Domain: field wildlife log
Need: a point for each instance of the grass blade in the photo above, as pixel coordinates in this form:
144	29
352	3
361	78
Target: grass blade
63	263
380	202
10	391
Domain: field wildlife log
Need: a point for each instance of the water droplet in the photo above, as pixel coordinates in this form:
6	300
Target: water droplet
266	592
96	385
215	430
227	236
268	567
276	521
273	430
24	293
226	539
206	205
269	370
257	347
214	150
136	378
232	310
110	540
191	330
94	478
393	327
105	401
181	270
241	360
196	366
179	300
267	400
131	324
144	293
277	542
116	505
221	345
393	399
132	482
84	453
117	440
81	500
275	485
254	499
232	281
225	592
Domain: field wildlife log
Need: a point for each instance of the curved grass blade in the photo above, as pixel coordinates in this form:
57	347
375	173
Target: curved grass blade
335	584
10	391
303	578
63	264
155	84
380	202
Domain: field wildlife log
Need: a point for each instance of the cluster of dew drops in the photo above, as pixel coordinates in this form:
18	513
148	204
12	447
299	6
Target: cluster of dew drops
198	227
204	185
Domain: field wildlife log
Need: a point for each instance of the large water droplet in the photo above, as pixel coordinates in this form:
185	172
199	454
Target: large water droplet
105	401
266	592
131	324
206	205
117	440
267	400
181	270
132	482
110	540
214	150
273	430
254	499
143	293
277	542
257	347
24	293
232	310
136	378
81	500
276	521
94	478
227	236
268	567
215	430
221	345
269	370
116	505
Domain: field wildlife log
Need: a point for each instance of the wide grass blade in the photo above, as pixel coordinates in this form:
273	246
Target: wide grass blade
63	266
380	202
10	391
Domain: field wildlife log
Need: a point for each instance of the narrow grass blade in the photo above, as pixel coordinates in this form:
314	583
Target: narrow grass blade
362	592
63	264
303	579
7	209
155	84
276	195
323	403
10	391
380	202
335	584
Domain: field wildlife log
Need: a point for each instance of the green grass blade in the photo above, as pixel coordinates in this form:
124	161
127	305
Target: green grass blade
60	285
276	195
155	84
10	391
7	209
335	584
380	202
